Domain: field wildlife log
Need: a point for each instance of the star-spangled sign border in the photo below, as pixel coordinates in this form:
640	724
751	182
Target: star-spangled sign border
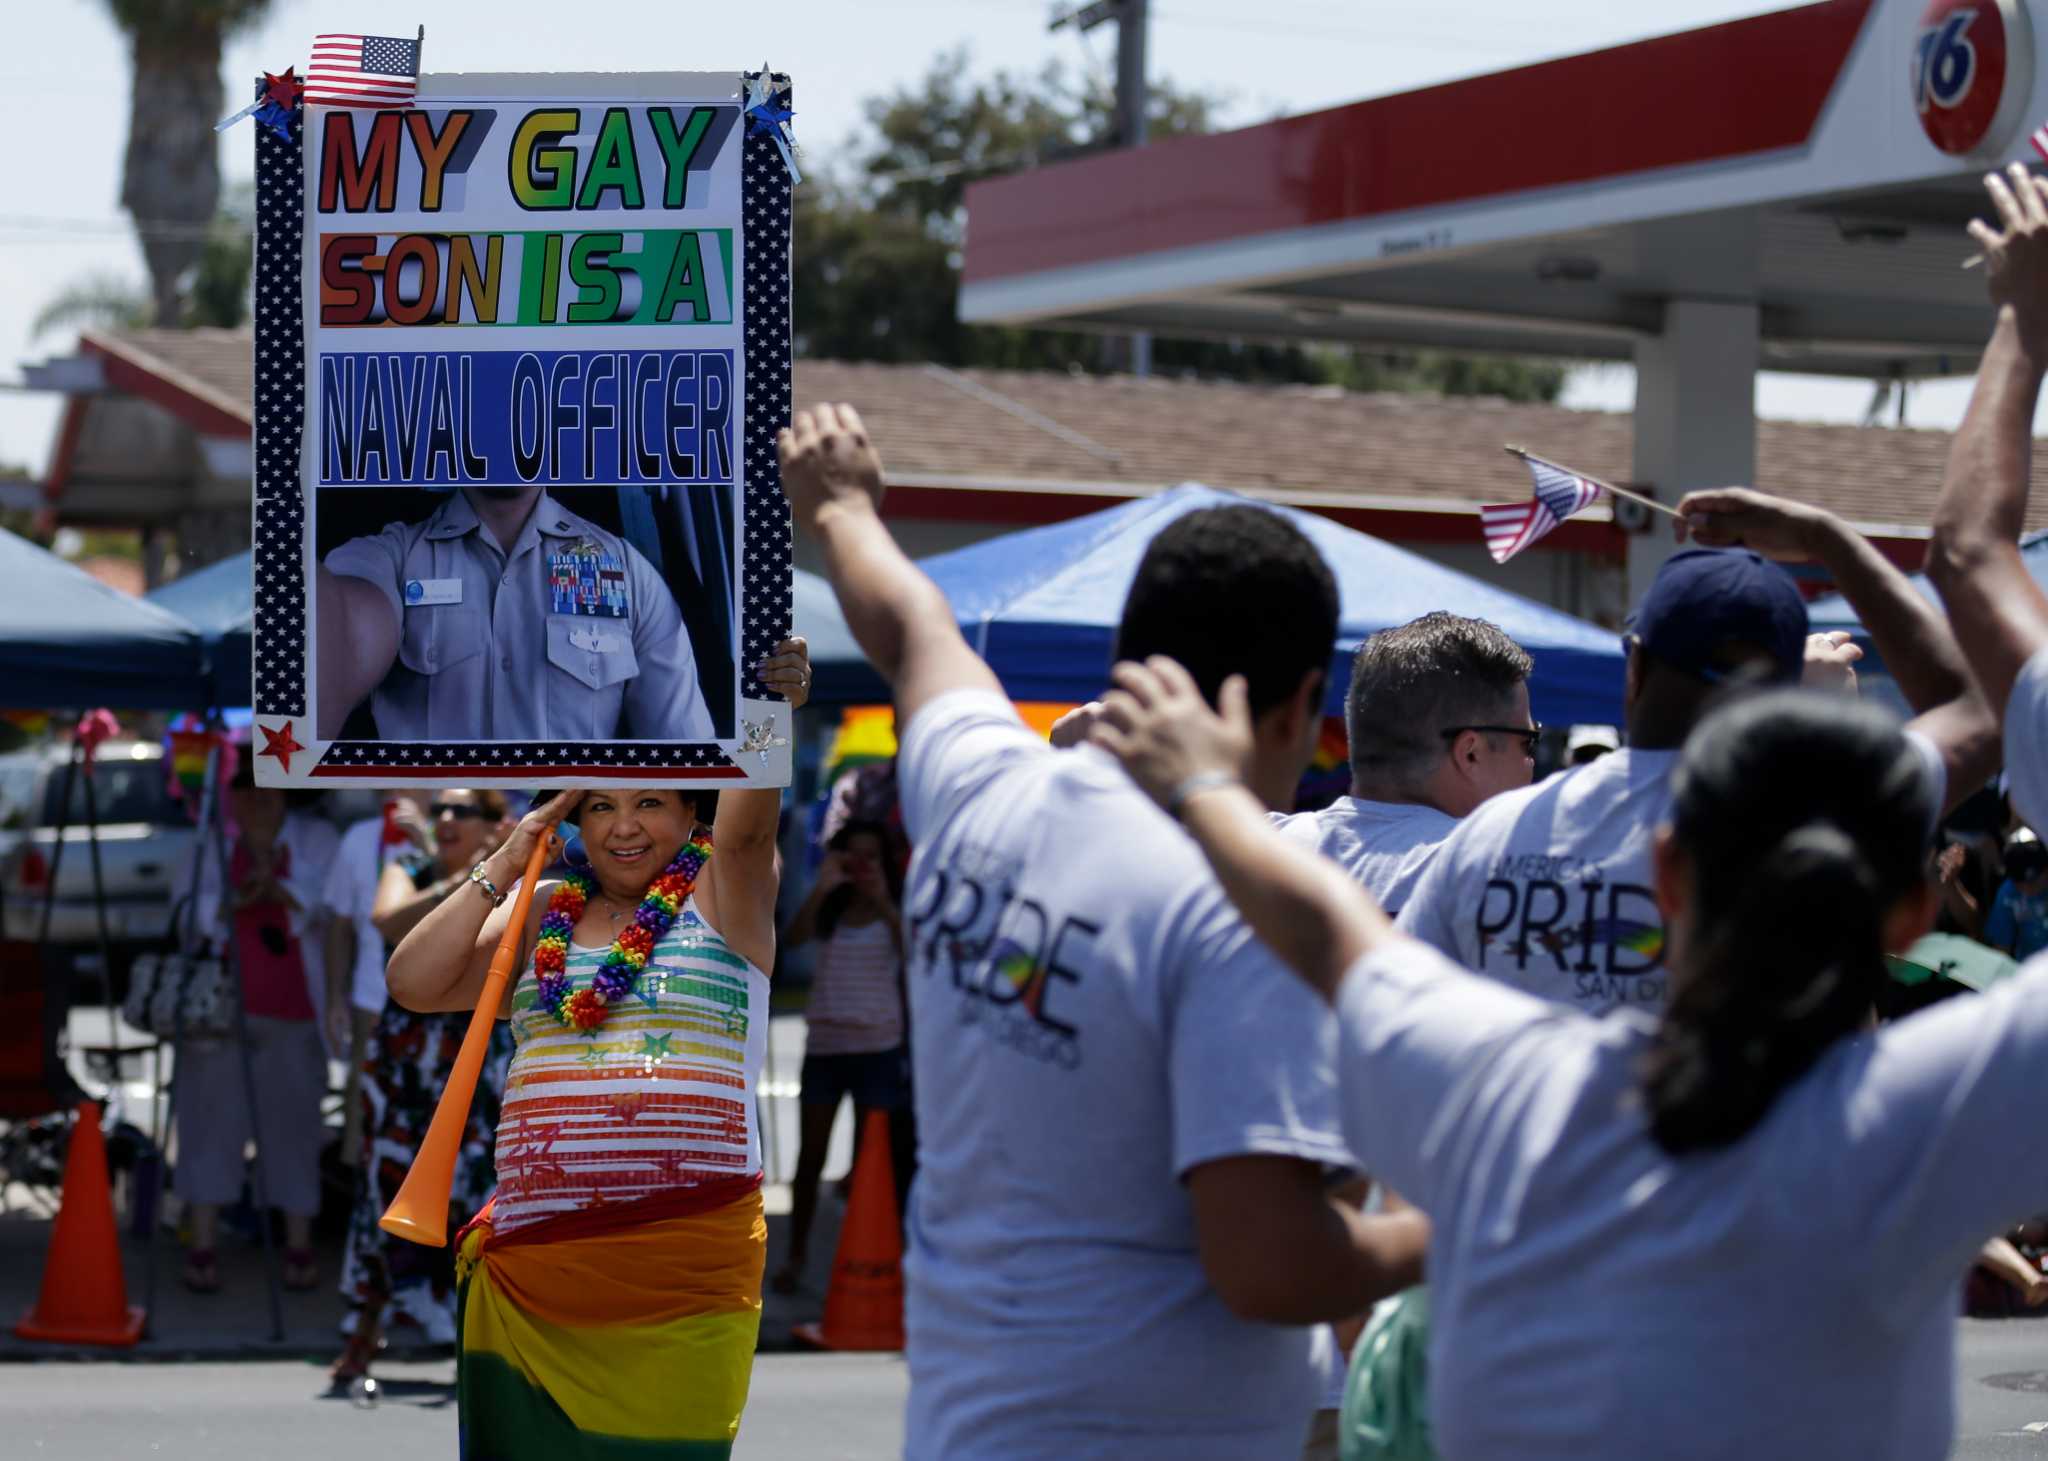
281	667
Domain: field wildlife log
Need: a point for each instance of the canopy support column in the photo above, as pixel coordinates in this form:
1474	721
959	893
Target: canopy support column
1695	414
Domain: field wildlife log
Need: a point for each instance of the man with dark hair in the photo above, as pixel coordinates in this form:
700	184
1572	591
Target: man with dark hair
1121	1220
1438	719
1549	889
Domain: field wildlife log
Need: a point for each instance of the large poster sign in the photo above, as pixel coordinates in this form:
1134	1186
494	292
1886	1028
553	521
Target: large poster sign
522	350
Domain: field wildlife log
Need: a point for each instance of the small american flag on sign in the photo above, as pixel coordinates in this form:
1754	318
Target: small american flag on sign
363	71
1514	526
2039	137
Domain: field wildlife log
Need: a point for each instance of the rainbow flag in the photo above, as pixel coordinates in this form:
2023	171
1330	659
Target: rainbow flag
623	1333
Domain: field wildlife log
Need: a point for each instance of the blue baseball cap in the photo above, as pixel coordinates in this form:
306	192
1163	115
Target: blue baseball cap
1708	605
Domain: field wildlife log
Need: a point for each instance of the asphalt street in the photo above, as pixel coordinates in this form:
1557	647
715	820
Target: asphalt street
804	1408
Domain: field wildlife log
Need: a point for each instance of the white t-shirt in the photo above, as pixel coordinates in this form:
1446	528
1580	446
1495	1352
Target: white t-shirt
2026	743
1089	1020
351	892
1792	1295
1550	889
1385	845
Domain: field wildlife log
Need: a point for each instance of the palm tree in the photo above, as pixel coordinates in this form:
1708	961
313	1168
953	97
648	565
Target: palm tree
170	179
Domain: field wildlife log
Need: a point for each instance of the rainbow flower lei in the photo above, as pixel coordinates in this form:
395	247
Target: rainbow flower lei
620	973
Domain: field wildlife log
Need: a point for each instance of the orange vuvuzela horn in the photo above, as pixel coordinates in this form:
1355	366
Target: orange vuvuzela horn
419	1213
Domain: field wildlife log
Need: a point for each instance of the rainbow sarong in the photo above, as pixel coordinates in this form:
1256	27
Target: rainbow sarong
623	1332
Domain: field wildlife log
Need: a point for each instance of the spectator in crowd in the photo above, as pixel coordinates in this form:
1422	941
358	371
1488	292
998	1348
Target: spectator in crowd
853	1026
406	1066
2018	921
355	953
1121	1221
269	909
1589	743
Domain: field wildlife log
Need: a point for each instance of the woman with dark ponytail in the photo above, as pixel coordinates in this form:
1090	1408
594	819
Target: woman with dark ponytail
1733	1227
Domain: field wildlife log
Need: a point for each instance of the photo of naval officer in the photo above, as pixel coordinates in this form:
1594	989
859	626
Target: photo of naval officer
502	616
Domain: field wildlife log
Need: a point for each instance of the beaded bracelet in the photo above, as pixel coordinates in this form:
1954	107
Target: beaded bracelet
485	886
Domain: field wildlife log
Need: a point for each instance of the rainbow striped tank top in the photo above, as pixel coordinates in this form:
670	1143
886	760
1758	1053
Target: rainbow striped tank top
658	1097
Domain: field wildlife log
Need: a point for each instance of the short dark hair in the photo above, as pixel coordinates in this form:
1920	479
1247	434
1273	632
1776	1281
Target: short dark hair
1233	591
1413	681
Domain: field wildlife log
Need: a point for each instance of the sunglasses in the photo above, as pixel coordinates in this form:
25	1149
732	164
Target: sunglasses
461	811
1528	734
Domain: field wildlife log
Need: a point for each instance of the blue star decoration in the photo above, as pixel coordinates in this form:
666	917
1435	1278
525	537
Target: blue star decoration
769	117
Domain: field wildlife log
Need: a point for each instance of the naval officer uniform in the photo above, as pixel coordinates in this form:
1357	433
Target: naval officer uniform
572	635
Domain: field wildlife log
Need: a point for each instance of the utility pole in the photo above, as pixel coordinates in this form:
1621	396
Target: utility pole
1132	20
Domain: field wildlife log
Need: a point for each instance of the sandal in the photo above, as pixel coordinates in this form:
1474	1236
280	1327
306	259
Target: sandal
202	1271
300	1274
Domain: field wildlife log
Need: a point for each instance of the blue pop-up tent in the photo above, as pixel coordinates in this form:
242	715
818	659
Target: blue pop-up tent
1042	605
68	640
215	600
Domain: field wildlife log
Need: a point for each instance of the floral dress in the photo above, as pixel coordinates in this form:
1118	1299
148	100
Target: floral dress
405	1066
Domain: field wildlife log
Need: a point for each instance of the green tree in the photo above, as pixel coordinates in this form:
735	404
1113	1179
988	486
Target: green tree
877	246
170	178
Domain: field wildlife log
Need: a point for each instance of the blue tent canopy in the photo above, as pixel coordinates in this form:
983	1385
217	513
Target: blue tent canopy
1042	605
68	640
841	673
216	601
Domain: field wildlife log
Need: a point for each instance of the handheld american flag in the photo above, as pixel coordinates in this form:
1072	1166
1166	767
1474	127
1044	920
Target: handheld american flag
1513	526
363	71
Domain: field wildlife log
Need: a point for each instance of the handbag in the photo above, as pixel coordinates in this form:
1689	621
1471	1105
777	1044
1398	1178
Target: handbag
176	992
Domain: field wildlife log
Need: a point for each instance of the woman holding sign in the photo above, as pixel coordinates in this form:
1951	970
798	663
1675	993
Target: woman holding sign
612	1286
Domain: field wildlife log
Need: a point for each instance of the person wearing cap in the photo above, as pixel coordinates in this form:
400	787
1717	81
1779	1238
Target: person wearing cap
1589	743
1550	889
2018	921
504	616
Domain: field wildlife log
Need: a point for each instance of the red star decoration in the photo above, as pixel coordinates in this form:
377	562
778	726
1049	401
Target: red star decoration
283	90
279	743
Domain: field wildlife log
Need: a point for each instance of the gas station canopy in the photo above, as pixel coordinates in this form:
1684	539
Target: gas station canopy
1817	163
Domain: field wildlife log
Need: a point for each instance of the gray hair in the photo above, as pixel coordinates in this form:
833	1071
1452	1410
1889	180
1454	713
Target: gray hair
1412	682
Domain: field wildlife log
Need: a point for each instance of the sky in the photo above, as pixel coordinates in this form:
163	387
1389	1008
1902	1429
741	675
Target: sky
64	80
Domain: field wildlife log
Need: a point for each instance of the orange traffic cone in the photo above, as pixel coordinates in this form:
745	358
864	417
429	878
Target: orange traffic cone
84	1298
864	1305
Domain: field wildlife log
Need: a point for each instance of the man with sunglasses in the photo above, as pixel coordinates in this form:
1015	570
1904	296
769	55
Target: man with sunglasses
1549	889
1437	715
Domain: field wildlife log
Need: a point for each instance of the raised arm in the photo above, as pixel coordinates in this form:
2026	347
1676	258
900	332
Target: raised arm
745	871
1999	612
1191	760
832	477
1915	640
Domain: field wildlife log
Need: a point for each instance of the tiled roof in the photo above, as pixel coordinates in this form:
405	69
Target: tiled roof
1309	445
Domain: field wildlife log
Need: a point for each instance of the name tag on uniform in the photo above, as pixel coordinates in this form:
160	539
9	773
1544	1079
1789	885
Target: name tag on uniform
590	583
433	591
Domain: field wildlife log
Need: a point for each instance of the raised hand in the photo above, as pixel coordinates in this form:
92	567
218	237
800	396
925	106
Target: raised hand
1157	724
1072	728
1742	517
509	861
1831	661
2016	251
789	671
828	461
